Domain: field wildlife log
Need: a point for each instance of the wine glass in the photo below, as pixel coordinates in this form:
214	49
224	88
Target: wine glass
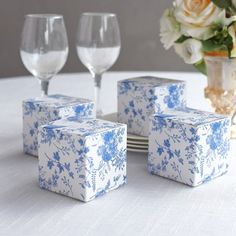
98	46
44	46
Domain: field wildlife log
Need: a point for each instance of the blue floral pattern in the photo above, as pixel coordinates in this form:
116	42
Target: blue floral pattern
138	98
40	111
82	158
189	146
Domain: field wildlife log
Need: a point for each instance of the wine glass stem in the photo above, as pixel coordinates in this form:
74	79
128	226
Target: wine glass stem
44	87
97	81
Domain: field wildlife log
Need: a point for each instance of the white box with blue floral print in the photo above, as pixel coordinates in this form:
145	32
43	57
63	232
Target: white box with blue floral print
82	159
189	146
40	111
138	98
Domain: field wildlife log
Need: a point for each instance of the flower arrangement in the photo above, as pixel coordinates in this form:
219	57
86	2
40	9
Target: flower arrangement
196	28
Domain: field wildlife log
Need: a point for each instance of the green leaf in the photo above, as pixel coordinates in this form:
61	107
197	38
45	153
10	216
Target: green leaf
222	41
211	45
181	39
201	67
223	3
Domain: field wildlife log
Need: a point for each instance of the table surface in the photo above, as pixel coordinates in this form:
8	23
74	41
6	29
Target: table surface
147	205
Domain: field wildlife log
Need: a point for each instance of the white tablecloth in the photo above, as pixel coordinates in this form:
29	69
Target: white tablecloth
147	205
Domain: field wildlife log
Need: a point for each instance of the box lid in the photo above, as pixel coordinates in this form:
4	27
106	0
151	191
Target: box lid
57	101
82	127
150	81
190	116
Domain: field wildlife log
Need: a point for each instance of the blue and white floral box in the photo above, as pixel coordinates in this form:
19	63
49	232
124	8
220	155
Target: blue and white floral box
40	111
138	98
189	146
82	159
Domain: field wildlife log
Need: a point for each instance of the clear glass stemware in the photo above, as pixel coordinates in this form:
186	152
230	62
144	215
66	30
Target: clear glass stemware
44	46
98	46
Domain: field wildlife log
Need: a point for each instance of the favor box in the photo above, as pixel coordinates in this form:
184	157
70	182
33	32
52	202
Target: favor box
138	98
189	146
40	111
82	159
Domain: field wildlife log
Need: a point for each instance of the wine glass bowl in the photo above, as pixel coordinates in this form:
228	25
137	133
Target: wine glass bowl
44	46
98	46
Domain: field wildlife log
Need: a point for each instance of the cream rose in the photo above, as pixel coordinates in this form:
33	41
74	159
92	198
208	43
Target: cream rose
169	29
196	17
190	51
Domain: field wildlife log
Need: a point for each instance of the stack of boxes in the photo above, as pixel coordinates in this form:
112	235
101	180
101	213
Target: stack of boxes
185	145
83	157
79	156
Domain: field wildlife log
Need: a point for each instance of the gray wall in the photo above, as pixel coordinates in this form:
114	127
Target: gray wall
139	24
